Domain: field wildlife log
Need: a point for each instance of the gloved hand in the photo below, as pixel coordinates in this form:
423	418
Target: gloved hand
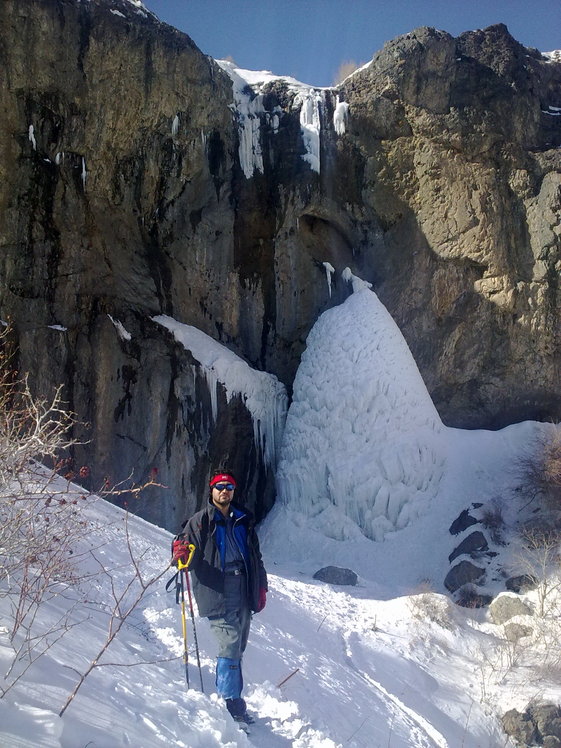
262	599
179	551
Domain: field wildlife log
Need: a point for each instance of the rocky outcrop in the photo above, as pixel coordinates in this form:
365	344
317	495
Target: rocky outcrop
539	724
123	197
460	144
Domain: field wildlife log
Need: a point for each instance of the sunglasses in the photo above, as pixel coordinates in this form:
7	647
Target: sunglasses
222	486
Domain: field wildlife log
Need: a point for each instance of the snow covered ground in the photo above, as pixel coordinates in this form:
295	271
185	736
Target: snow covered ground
369	672
368	668
369	479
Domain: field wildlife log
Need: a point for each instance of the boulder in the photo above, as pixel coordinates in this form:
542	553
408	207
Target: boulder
462	522
520	726
539	724
463	573
507	606
547	718
473	545
469	598
336	575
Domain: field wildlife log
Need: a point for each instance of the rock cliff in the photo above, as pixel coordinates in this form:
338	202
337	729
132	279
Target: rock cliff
139	179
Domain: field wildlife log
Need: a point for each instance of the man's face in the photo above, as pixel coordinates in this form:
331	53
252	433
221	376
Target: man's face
222	495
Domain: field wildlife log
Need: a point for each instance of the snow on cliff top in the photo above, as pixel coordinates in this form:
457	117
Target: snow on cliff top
249	109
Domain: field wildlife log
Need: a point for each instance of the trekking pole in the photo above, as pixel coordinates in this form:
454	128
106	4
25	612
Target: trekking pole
184	627
185	568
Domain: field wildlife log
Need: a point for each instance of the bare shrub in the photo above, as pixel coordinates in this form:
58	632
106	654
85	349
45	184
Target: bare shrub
538	557
125	600
344	70
42	524
429	606
493	520
38	526
539	470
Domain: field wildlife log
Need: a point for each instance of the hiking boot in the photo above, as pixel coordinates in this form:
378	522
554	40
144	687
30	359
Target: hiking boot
238	710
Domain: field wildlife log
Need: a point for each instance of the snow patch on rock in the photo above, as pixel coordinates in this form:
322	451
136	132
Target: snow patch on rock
262	393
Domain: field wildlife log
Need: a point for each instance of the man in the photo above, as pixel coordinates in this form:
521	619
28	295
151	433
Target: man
229	581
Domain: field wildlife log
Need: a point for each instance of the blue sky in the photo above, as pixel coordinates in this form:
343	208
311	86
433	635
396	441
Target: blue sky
310	39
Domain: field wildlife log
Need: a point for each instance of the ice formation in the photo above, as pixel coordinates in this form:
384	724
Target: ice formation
248	106
340	117
31	136
362	445
329	270
310	102
249	109
84	173
262	393
122	332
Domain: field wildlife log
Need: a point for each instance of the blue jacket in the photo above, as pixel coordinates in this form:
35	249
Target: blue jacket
239	533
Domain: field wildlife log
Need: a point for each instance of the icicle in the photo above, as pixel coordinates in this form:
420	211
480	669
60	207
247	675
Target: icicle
84	173
310	124
31	136
329	270
340	116
175	126
248	108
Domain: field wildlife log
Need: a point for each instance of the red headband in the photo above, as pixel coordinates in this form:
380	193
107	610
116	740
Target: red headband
222	478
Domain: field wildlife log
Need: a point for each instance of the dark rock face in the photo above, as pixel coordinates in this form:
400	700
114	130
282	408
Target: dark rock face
336	575
123	197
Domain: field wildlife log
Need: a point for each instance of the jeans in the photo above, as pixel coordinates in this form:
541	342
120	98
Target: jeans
231	632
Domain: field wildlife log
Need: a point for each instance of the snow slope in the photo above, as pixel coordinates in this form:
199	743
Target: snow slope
368	672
